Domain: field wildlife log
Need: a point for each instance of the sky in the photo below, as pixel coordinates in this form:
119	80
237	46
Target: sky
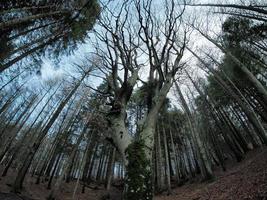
50	70
65	68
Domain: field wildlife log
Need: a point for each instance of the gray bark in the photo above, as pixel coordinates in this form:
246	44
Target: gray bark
167	162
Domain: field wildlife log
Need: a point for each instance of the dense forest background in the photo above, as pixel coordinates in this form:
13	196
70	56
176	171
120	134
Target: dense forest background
166	93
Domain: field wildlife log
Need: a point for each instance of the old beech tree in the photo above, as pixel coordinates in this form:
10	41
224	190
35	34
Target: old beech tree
134	40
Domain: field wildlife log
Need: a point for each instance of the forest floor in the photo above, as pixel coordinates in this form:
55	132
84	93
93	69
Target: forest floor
246	180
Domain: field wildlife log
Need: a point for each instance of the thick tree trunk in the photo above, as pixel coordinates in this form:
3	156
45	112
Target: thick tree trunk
120	135
139	153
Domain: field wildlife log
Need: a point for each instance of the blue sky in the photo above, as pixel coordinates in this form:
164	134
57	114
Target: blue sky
65	67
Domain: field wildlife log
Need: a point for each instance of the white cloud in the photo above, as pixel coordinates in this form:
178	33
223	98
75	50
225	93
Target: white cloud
49	72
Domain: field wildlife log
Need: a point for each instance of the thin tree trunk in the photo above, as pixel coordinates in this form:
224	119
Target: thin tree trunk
255	82
167	162
240	99
16	22
160	178
24	168
53	194
242	7
30	30
12	79
79	174
91	146
174	155
13	132
89	176
110	168
54	171
29	52
205	164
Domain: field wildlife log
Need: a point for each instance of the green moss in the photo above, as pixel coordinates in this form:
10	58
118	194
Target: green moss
138	177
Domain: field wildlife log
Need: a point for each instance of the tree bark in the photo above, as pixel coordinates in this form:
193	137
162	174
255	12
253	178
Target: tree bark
174	156
240	99
16	22
167	162
160	178
24	168
205	166
110	168
29	52
53	194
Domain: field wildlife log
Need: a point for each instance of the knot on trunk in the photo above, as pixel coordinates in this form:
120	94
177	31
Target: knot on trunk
116	109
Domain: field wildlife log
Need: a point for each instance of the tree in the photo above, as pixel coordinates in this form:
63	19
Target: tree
123	48
39	27
34	147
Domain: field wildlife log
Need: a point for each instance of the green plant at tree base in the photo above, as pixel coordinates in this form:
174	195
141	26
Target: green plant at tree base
138	184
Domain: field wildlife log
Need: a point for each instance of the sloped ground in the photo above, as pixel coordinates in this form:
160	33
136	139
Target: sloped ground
242	181
39	192
10	196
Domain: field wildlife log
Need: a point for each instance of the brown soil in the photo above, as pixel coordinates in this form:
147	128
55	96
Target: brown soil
246	180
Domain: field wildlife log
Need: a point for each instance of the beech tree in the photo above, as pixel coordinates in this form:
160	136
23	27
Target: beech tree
165	113
158	36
